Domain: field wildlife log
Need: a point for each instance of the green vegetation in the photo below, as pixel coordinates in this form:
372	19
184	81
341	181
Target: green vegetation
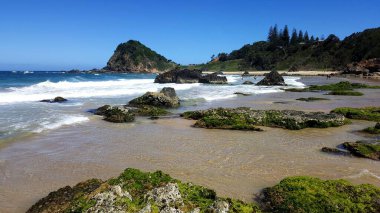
364	149
231	65
308	194
343	85
151	111
292	194
133	56
300	52
310	99
373	130
117	115
246	118
139	185
345	93
366	113
341	88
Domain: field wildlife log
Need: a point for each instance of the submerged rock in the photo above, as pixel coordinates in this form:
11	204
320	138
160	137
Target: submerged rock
373	130
136	191
272	79
167	97
57	99
244	118
248	82
189	76
364	149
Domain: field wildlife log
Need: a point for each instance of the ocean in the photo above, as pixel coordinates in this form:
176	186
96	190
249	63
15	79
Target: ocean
21	113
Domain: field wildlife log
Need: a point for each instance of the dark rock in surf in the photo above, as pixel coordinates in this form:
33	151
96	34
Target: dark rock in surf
166	98
272	79
57	99
189	76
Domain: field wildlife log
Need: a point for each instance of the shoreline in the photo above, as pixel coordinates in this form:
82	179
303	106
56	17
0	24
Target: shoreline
235	164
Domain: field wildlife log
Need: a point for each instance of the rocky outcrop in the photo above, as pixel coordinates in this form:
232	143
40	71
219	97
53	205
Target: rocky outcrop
167	98
133	56
136	191
116	114
189	76
244	118
272	79
364	149
364	67
57	99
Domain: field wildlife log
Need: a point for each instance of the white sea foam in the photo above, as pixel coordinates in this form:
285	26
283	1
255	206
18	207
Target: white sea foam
77	88
84	89
64	121
364	172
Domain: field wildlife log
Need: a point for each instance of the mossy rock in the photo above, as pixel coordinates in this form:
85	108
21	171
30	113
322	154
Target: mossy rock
137	190
310	99
118	115
308	194
345	93
343	85
151	111
366	113
369	150
246	119
373	130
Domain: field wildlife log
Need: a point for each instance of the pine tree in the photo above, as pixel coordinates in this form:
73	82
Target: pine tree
317	38
293	40
312	39
300	36
306	37
285	36
270	34
275	33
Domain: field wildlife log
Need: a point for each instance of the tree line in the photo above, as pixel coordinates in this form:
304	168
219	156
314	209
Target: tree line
282	37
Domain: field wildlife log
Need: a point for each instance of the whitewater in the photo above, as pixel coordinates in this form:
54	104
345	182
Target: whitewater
20	93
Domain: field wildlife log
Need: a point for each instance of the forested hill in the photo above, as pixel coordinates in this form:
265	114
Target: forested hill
299	51
133	56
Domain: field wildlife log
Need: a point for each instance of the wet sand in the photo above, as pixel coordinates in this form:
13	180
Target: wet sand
234	163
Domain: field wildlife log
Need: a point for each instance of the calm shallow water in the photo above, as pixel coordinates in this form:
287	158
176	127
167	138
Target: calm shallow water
234	163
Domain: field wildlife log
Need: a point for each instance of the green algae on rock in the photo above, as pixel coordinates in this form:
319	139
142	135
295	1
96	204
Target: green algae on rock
244	118
364	149
345	93
310	99
136	191
366	113
342	88
373	130
116	114
308	194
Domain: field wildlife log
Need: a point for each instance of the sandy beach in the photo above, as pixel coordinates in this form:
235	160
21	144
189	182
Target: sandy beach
238	164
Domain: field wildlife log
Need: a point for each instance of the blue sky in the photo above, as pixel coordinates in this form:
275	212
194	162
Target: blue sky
67	34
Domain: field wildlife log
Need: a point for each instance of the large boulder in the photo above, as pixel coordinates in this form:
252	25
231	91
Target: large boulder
363	67
272	79
116	114
213	79
187	76
167	98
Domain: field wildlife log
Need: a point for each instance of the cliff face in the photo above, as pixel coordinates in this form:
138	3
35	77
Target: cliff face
133	56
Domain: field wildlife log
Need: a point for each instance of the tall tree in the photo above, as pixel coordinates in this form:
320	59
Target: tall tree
285	36
300	36
294	38
275	33
312	39
306	37
270	34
